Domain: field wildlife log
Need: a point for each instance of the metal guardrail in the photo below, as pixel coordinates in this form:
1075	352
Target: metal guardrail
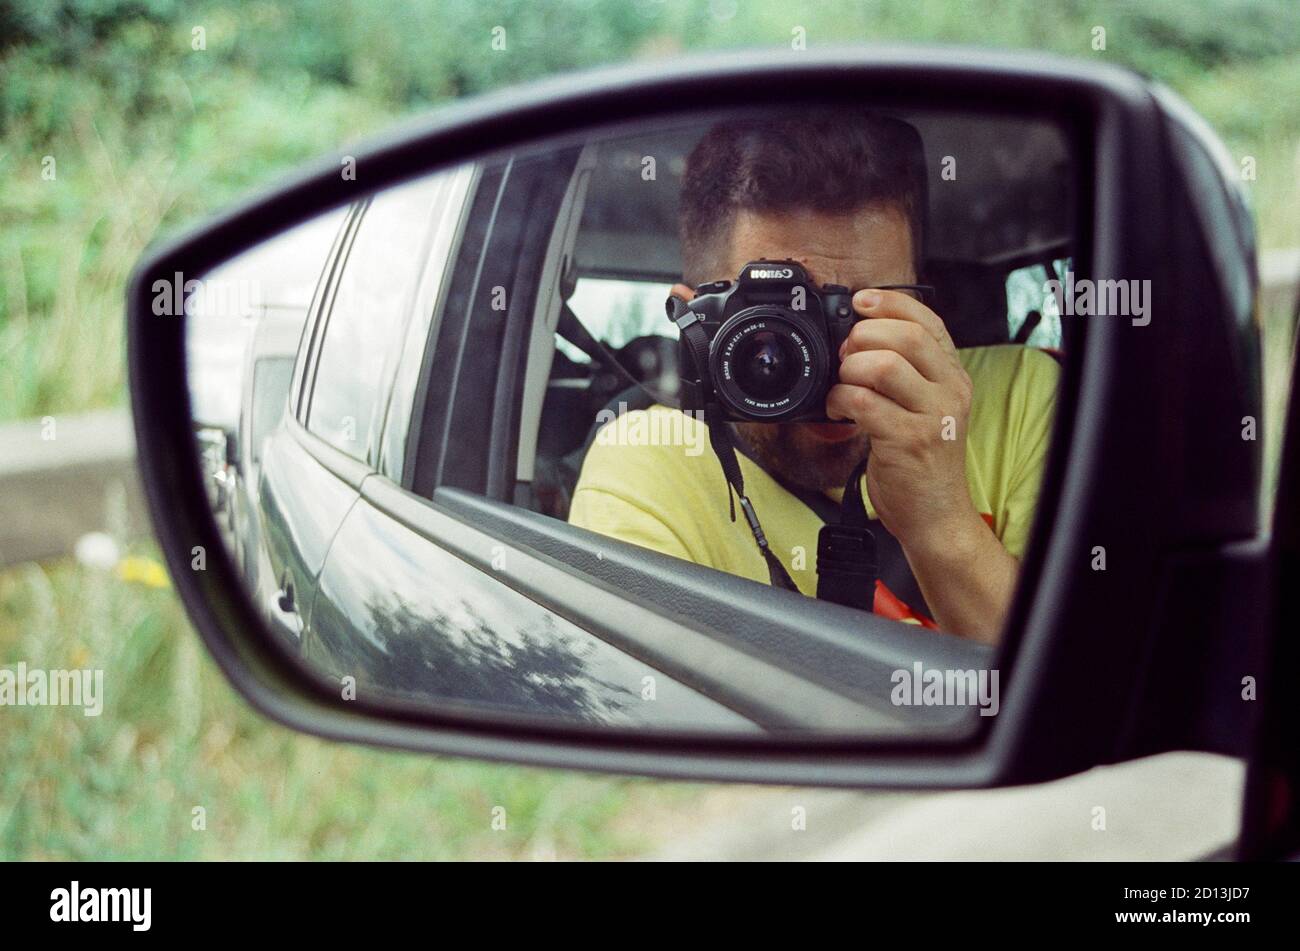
64	476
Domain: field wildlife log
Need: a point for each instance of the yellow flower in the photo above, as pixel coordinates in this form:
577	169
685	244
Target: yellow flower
143	571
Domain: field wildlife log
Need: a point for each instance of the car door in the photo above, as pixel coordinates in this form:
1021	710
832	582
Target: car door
399	612
312	468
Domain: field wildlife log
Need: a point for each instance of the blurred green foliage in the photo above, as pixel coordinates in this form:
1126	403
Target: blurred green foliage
145	132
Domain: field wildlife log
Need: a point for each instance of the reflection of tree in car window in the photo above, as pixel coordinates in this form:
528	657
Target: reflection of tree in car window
460	655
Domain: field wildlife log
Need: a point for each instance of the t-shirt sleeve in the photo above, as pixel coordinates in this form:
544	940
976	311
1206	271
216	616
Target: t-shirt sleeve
1033	402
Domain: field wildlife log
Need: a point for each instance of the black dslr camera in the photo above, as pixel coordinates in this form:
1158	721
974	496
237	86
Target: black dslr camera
769	351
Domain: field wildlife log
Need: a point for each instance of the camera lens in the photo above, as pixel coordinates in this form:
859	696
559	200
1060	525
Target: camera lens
768	363
767	366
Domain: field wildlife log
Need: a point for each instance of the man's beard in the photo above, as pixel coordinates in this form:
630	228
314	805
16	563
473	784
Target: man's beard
793	455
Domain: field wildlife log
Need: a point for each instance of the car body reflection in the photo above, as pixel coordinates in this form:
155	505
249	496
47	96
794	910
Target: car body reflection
410	620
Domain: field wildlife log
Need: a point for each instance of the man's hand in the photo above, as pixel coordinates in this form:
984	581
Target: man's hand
902	383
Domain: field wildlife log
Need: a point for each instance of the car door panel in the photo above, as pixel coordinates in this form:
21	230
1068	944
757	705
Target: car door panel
408	619
303	502
327	446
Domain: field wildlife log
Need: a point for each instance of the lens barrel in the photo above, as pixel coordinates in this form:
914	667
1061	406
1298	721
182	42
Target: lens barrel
769	363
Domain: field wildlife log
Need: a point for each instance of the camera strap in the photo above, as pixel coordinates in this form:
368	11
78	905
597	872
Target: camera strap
725	450
692	330
892	567
846	553
851	556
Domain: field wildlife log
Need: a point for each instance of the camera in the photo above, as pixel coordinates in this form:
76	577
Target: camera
773	340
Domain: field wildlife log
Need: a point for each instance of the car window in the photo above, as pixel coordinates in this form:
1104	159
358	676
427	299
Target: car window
619	311
368	316
449	216
616	312
1028	300
271	377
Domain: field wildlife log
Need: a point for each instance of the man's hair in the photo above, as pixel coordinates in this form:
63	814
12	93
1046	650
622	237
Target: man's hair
828	161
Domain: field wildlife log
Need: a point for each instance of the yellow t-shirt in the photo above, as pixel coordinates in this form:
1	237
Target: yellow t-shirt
651	477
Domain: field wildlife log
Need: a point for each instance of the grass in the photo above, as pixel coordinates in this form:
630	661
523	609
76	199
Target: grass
173	737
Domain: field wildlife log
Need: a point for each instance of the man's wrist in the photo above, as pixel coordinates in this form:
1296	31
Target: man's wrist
949	542
966	575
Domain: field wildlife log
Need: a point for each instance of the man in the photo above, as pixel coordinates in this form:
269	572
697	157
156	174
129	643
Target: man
957	438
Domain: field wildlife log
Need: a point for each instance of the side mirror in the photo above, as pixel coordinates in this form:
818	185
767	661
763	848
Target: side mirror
489	318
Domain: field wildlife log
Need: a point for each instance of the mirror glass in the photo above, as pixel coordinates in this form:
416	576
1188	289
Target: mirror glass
721	423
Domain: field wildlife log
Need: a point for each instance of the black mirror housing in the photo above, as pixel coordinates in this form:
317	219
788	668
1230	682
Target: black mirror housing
1144	580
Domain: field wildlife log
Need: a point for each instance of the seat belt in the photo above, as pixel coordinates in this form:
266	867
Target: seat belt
572	330
892	567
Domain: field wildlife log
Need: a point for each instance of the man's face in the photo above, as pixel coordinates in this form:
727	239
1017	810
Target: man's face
866	248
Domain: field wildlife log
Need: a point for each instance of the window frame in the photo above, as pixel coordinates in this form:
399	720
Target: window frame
298	386
319	321
429	306
487	258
